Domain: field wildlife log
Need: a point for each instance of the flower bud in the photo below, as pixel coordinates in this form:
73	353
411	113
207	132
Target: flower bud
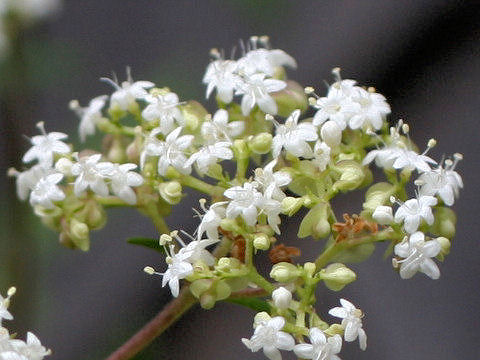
94	215
383	215
336	276
261	242
230	225
290	205
207	301
222	290
193	113
281	298
351	177
261	143
200	286
226	264
445	221
309	268
260	317
335	329
240	149
315	223
331	133
171	192
284	272
64	166
292	97
79	234
321	229
445	247
377	195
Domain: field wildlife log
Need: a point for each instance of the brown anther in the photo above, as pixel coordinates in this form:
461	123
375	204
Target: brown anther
281	253
352	226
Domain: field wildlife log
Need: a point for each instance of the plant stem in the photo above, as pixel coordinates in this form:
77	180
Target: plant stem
202	186
151	210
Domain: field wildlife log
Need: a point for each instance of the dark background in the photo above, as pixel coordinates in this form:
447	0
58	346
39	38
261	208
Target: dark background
422	55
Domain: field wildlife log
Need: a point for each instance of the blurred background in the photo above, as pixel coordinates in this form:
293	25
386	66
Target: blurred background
423	55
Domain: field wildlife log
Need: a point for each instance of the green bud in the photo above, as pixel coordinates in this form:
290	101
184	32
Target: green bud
336	276
66	241
321	229
352	175
445	221
378	195
200	286
240	149
261	143
50	217
79	234
292	97
260	317
193	113
230	225
261	242
265	229
222	290
315	223
309	268
334	329
284	272
95	215
171	192
227	264
237	284
290	205
445	247
207	301
317	322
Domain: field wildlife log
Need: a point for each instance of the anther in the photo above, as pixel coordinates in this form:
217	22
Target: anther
149	270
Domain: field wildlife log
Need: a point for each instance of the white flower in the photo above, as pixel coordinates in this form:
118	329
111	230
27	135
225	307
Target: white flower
417	254
171	152
46	191
178	268
444	182
28	179
372	111
336	107
321	155
271	182
221	74
244	201
44	146
293	137
255	90
122	180
383	215
264	61
267	336
351	322
32	349
398	157
272	208
4	313
209	155
414	210
281	298
321	347
197	251
91	174
128	92
90	116
219	129
211	220
163	106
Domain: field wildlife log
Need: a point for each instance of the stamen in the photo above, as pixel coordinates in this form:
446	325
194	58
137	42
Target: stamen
336	74
41	126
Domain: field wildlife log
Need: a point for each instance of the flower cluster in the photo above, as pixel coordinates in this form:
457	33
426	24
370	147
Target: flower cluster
283	161
16	349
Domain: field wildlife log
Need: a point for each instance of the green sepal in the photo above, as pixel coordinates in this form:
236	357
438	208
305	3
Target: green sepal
318	214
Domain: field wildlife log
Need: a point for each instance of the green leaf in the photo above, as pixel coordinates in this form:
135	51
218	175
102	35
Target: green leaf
147	242
252	303
355	254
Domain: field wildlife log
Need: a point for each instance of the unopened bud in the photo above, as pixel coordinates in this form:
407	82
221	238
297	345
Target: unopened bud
292	97
240	149
165	239
193	113
284	272
227	264
200	286
260	317
171	192
331	133
261	143
309	268
445	247
383	215
282	298
351	177
261	242
335	329
290	205
336	276
64	166
80	234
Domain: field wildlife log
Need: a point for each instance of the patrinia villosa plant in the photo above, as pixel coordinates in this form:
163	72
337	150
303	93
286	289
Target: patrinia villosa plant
156	145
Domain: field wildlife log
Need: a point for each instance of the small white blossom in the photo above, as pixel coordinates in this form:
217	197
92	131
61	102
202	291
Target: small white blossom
221	74
178	268
171	152
164	108
336	107
255	90
331	133
122	181
128	92
198	252
91	174
211	220
398	157
272	208
269	337
383	215
444	182
244	201
417	254
321	347
4	313
32	349
413	211
372	111
321	155
90	116
28	179
271	182
45	146
351	322
219	129
46	191
209	155
264	61
293	137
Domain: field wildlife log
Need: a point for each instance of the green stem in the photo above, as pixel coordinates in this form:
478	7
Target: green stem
202	186
259	280
111	201
242	166
151	210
